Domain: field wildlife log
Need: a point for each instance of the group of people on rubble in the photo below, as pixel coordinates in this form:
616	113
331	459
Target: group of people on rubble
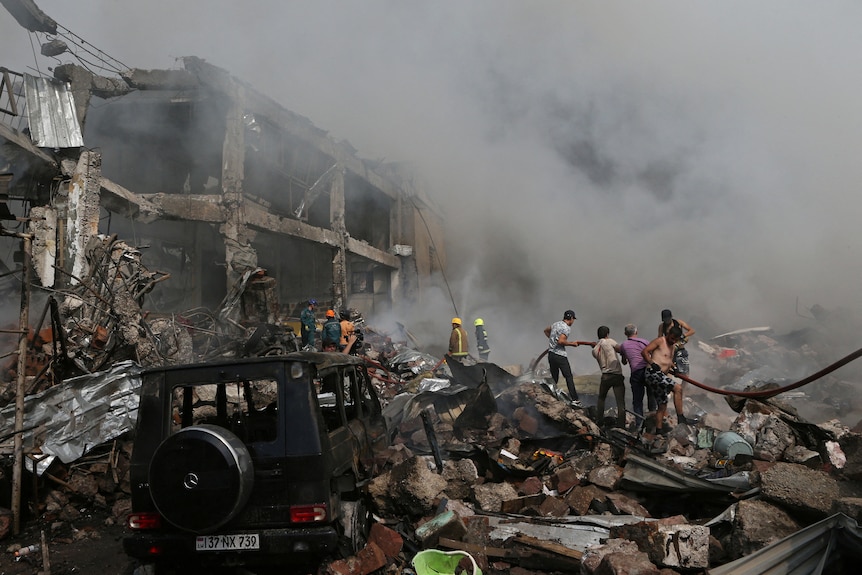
653	366
336	334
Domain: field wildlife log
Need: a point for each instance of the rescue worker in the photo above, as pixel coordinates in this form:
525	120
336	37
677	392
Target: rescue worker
482	339
308	324
347	327
331	331
458	341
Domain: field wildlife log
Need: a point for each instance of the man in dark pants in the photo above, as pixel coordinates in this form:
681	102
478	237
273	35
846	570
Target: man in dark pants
606	353
558	339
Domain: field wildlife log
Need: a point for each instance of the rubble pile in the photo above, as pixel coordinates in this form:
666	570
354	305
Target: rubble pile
486	469
515	477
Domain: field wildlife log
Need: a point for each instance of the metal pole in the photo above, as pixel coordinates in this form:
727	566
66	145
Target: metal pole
20	387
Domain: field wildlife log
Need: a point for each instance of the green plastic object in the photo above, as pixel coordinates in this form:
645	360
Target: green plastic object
436	562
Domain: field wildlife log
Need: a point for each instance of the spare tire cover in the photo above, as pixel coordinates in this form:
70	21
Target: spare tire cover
201	477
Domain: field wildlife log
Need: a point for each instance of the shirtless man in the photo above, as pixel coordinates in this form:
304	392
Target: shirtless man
659	355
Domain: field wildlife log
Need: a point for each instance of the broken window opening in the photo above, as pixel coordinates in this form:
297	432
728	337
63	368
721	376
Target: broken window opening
248	409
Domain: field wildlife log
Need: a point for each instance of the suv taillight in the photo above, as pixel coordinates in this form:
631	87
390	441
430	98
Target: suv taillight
142	521
308	513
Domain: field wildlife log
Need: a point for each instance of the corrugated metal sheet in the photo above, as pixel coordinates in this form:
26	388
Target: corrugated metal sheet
51	112
810	551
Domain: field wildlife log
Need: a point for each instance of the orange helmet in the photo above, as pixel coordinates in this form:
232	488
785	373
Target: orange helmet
330	313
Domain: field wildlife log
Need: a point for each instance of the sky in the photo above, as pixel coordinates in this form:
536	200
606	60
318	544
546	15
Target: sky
615	158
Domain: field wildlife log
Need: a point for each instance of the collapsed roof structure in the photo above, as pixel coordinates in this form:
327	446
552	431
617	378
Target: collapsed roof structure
213	177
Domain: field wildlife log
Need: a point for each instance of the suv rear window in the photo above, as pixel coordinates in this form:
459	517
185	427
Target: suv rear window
249	402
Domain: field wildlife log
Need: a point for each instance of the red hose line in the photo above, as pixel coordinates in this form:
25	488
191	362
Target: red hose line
773	392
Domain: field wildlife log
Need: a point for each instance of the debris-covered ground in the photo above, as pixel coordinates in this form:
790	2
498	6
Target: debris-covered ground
486	464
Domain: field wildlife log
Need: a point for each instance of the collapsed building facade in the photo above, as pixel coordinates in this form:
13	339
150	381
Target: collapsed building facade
210	179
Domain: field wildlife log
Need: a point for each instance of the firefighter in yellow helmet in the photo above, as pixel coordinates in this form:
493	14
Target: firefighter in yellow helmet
458	341
482	339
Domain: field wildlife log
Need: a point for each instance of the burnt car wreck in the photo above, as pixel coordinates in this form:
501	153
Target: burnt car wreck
258	461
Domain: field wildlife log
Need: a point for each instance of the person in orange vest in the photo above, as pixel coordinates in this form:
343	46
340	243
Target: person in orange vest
458	341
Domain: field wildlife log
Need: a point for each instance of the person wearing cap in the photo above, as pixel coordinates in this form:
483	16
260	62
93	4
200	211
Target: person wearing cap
331	332
458	341
482	339
606	351
558	361
680	354
630	351
308	324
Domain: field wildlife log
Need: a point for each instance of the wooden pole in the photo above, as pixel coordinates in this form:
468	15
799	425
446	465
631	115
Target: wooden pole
20	387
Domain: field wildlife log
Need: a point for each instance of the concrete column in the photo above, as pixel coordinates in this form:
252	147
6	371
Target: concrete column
239	255
339	259
78	217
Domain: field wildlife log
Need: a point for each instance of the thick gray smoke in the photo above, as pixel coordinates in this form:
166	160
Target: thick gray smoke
616	157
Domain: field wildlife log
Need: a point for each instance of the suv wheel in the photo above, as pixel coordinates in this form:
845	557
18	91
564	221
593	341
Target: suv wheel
201	478
355	523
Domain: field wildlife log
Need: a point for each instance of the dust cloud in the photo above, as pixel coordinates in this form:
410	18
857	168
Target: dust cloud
616	158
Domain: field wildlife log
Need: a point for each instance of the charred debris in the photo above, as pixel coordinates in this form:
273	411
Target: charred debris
486	465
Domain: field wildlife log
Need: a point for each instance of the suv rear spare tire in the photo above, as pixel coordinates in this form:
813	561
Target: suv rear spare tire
201	477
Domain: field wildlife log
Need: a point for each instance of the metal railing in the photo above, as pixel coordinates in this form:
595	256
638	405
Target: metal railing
13	104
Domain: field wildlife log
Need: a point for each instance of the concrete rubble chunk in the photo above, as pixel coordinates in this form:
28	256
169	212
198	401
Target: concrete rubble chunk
622	504
756	524
460	476
669	545
803	456
564	479
553	507
799	488
582	499
626	564
607	476
773	438
490	496
532	486
593	555
410	488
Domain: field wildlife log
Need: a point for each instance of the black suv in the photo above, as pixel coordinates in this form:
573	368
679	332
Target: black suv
253	461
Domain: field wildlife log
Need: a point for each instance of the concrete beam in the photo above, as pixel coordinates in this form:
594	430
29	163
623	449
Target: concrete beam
195	207
118	199
259	218
365	250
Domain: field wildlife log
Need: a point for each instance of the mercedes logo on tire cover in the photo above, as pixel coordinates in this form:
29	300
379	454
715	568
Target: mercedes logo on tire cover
190	481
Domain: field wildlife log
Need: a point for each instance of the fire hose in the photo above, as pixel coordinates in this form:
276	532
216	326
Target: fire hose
752	394
773	392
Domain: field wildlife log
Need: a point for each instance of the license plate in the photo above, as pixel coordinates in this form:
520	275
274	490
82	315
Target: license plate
238	542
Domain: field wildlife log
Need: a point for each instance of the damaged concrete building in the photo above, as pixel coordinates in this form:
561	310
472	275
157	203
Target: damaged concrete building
209	178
